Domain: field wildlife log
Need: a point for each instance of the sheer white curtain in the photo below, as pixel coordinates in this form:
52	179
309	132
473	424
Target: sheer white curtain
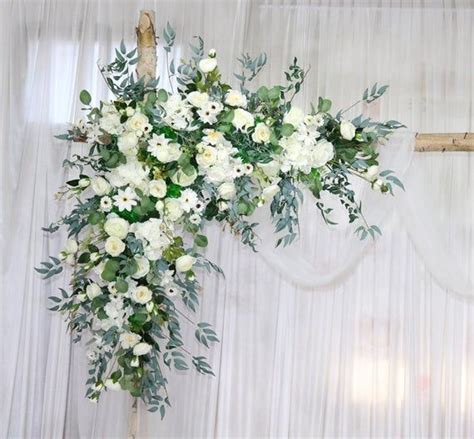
332	338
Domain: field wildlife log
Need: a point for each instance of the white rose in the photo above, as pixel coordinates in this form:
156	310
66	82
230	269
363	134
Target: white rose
242	120
235	99
114	246
181	178
372	172
347	130
129	339
142	295
207	157
173	209
157	188
127	143
216	174
167	153
71	246
207	65
141	349
185	263
294	117
137	122
100	186
227	190
198	99
117	227
93	290
143	267
110	384
269	192
261	133
323	152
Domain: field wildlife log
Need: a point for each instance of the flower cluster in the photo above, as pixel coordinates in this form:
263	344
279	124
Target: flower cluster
161	165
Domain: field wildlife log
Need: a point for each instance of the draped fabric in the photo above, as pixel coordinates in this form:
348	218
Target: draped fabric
332	337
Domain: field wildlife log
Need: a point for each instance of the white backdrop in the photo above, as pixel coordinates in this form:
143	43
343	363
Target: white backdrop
334	338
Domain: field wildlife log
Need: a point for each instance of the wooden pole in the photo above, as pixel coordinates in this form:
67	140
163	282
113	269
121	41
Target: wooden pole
450	142
146	43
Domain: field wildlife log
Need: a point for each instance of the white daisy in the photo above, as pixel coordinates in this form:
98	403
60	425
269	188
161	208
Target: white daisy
106	204
195	219
171	291
188	200
125	199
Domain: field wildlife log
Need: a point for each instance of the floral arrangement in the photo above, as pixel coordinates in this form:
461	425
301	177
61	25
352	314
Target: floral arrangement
160	165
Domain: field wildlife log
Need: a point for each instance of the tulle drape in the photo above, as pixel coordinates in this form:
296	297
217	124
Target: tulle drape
331	337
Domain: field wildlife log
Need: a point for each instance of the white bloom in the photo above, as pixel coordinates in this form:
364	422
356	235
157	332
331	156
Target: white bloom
159	206
212	53
141	349
125	199
163	149
198	99
114	246
188	199
142	295
242	120
81	297
127	143
112	287
185	263
270	169
212	136
157	188
116	226
93	290
235	98
207	156
171	291
110	384
372	172
209	112
137	122
294	117
227	190
135	362
111	123
377	185
132	173
129	339
106	204
167	278
129	111
323	153
181	178
269	192
207	65
195	219
84	182
222	205
100	186
261	133
71	246
143	267
217	174
347	130
173	209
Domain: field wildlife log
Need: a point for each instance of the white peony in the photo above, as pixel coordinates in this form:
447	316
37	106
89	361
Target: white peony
183	179
157	188
141	349
347	130
207	65
323	152
142	295
227	190
127	143
129	339
242	120
137	122
294	117
93	290
100	186
235	98
185	263
114	246
261	134
117	227
173	209
198	99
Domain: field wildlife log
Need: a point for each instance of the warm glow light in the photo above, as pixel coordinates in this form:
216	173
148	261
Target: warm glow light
377	381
